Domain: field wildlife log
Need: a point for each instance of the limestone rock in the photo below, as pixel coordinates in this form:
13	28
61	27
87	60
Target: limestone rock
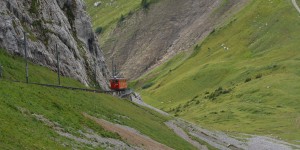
47	23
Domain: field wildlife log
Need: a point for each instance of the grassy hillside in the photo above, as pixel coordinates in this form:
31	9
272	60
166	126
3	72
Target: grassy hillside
108	13
243	78
20	103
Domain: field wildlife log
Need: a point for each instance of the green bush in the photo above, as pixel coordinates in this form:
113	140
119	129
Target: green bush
258	76
248	80
145	4
218	92
99	30
147	85
122	18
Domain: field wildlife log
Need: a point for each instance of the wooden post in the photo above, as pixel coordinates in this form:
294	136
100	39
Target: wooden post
112	68
95	72
58	66
1	71
26	57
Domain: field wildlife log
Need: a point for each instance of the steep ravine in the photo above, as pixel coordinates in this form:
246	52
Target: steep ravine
47	23
149	37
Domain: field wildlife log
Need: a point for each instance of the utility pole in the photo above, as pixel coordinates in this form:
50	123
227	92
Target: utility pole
95	72
116	73
58	66
1	72
112	68
26	57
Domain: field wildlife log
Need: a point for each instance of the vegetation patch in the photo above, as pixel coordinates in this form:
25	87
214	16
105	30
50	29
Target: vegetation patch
218	92
147	85
69	8
145	4
121	19
34	7
248	80
99	30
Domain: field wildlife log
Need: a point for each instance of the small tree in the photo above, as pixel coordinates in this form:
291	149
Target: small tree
145	4
122	18
99	30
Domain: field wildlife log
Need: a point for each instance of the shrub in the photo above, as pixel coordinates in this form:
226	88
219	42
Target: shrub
99	30
258	76
248	80
147	85
196	47
213	31
122	18
219	91
130	13
145	4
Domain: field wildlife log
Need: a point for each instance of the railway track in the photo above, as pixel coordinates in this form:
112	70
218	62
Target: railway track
121	94
69	87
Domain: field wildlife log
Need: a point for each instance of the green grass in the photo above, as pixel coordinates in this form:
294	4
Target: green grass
108	13
263	39
14	70
18	101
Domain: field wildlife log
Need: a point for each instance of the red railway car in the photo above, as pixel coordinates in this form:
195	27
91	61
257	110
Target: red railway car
118	84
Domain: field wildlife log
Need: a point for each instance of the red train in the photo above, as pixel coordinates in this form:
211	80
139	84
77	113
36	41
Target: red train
118	84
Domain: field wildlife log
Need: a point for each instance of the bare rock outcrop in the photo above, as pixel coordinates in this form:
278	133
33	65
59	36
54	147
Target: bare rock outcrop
50	23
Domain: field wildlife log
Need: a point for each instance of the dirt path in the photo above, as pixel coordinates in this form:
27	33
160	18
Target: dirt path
132	136
136	98
179	131
296	5
87	137
217	139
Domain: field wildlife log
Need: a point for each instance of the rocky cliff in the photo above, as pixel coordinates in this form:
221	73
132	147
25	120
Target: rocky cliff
49	23
152	36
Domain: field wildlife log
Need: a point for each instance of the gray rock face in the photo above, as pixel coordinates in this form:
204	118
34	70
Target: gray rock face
51	22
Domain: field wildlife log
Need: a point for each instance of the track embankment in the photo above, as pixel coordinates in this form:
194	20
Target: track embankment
130	135
296	5
197	135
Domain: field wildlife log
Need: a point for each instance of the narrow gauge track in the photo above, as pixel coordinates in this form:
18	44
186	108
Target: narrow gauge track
68	87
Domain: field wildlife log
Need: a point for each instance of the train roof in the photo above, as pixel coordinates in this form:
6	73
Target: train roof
118	79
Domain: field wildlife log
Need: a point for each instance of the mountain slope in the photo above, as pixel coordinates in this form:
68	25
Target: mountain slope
147	37
35	117
242	78
107	14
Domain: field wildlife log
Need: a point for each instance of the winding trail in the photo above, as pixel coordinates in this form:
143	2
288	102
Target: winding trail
296	5
220	140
